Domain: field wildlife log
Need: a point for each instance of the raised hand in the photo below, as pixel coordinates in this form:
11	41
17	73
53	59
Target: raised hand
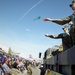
47	35
47	19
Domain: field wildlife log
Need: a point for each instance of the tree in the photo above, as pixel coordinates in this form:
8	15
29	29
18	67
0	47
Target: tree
9	51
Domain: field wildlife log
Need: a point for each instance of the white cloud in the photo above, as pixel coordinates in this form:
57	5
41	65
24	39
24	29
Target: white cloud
28	30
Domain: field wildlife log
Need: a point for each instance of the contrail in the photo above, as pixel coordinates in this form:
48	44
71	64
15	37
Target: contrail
30	9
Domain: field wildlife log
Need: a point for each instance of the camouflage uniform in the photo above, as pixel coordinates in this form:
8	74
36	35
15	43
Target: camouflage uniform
66	40
67	20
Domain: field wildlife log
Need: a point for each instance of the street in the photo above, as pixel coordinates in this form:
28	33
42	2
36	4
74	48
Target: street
36	71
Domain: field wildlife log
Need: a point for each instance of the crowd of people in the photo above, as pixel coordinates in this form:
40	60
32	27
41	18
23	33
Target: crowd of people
16	66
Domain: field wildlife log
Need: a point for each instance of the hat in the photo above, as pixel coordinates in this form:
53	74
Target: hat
65	27
70	23
72	3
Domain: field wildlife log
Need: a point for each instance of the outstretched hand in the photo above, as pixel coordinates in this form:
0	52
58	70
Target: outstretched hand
47	35
47	19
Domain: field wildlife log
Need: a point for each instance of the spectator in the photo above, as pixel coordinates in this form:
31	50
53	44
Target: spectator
29	70
6	67
1	69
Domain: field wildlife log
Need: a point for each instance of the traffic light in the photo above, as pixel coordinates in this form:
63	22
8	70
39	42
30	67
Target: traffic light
39	55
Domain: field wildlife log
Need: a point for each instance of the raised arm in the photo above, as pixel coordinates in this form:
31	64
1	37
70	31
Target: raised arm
59	21
54	36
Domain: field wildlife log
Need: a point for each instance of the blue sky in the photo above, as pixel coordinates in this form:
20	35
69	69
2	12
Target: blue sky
19	31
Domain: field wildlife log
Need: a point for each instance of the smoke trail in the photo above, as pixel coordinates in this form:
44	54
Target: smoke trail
30	9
